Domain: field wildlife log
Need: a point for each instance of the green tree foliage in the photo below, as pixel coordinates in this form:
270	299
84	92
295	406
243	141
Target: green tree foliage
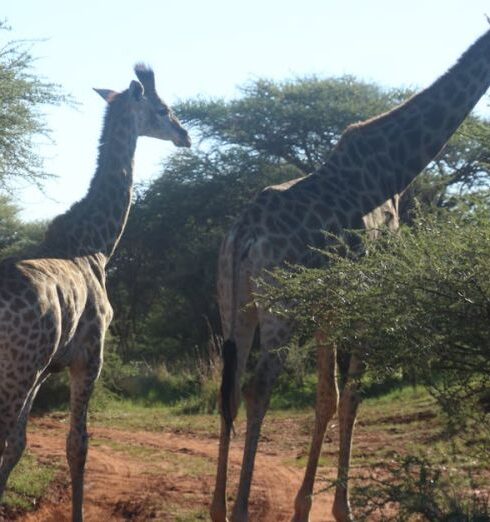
421	490
16	236
162	280
416	300
22	93
297	121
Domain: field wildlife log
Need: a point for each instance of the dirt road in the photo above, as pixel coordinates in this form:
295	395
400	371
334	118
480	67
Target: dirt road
167	476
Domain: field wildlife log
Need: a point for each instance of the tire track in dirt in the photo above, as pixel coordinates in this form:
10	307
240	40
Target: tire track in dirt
139	476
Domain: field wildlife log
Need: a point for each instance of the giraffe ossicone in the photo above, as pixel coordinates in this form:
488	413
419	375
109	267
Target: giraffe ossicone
358	187
54	308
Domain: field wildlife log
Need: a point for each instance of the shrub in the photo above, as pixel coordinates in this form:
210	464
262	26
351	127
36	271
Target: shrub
415	302
416	486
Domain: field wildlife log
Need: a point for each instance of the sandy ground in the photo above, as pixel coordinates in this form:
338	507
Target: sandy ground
167	476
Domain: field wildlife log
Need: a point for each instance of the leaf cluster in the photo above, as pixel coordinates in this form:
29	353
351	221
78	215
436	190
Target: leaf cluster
418	486
22	94
417	300
296	121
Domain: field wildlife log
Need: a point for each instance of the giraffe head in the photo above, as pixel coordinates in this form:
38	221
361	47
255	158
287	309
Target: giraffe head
153	116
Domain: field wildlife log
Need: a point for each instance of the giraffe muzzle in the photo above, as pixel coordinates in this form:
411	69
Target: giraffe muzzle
182	138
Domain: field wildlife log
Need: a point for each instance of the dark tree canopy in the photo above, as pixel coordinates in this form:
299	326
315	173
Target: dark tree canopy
163	277
15	235
297	121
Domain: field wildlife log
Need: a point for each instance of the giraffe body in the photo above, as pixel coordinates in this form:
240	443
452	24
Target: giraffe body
54	308
358	187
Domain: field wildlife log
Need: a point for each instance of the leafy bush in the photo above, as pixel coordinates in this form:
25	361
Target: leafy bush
416	486
416	302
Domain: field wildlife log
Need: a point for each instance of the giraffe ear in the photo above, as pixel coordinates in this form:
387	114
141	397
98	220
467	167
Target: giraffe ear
107	94
136	90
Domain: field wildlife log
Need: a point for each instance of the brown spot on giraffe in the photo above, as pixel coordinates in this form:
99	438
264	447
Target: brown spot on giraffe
53	303
358	186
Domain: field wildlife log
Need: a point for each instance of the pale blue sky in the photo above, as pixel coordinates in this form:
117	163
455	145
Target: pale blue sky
208	48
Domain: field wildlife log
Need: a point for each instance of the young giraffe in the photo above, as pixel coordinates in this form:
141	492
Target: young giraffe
357	188
54	309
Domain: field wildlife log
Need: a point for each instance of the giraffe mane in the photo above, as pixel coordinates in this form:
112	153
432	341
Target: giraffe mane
146	76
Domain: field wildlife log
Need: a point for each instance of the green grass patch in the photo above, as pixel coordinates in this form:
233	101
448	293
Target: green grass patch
159	459
133	415
142	453
190	515
401	402
28	482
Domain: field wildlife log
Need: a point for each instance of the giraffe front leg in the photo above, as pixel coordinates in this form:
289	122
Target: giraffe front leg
246	323
13	445
4	475
82	380
327	397
349	403
218	504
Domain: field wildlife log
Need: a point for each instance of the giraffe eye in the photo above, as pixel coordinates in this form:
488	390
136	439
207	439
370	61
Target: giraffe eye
163	112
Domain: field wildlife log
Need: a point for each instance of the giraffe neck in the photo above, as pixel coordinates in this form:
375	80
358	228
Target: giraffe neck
380	157
94	224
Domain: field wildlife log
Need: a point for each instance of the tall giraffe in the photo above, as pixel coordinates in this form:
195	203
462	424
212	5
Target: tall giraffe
54	308
358	187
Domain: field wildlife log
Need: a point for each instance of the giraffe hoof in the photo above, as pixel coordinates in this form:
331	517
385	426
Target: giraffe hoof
218	512
301	517
302	510
342	515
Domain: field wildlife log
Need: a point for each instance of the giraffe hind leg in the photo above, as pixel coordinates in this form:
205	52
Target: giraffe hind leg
257	395
10	447
274	335
234	366
15	405
16	441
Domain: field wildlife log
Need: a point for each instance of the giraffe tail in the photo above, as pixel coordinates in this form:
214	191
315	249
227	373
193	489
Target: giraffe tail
228	406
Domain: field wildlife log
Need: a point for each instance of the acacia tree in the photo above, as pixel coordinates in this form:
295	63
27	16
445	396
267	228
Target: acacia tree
163	276
300	121
296	121
162	279
22	94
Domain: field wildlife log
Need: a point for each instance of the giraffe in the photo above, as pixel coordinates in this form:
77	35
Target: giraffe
358	187
54	308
